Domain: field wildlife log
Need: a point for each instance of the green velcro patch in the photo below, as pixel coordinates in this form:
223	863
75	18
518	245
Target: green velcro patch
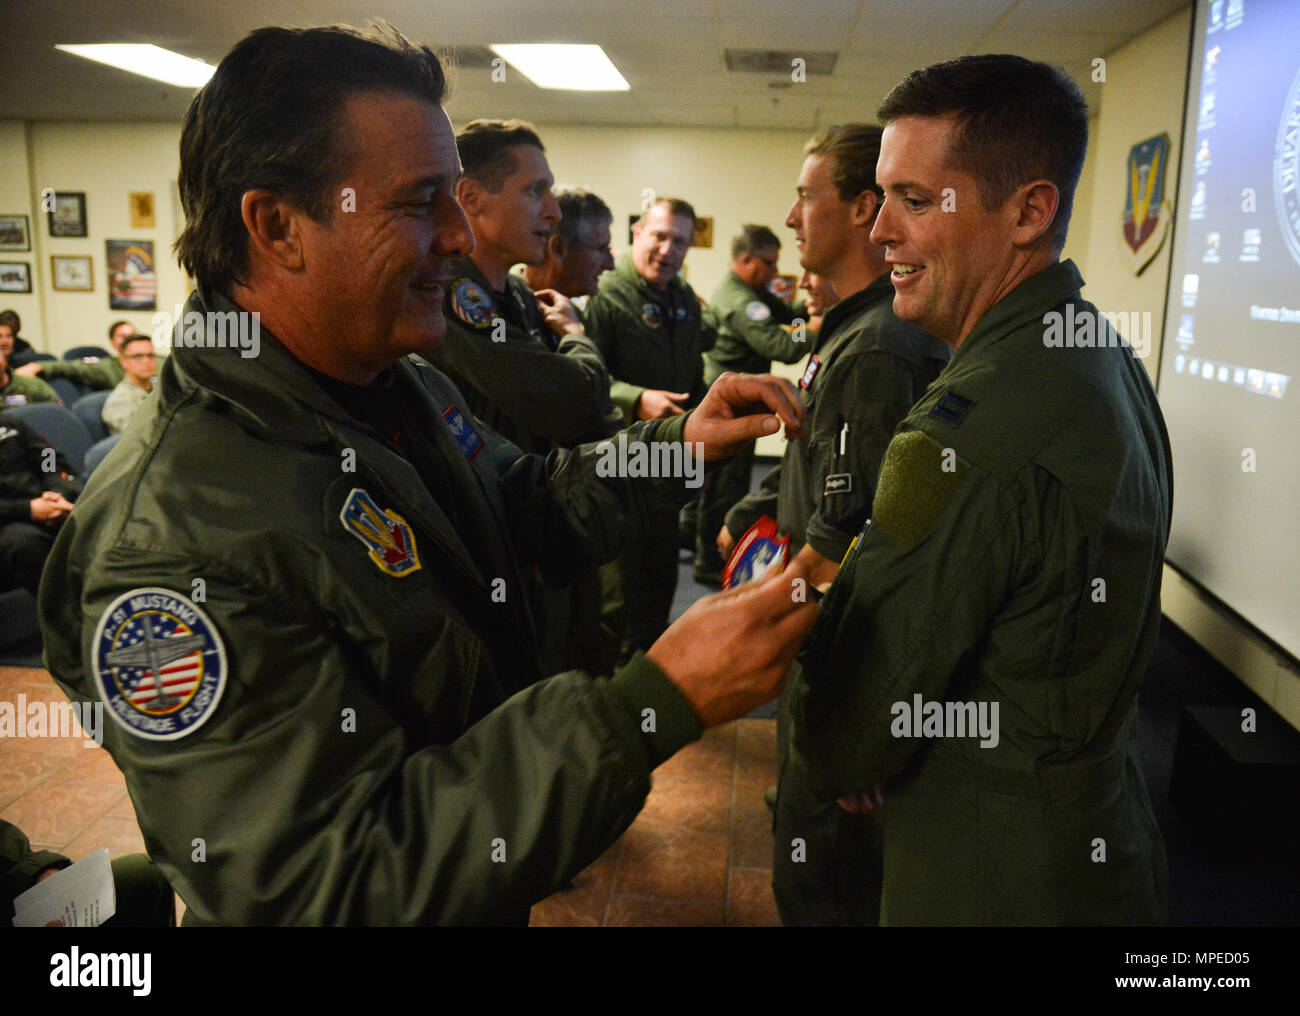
917	478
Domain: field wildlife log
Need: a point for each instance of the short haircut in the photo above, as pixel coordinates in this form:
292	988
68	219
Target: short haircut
11	318
676	206
578	209
137	337
751	239
1017	121
854	149
484	148
270	117
114	327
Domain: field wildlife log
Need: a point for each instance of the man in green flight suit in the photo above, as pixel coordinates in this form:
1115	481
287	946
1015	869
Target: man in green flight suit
866	372
755	327
652	331
283	583
981	650
19	390
104	373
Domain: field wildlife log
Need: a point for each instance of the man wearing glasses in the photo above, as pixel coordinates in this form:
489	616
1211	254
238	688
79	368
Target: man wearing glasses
139	362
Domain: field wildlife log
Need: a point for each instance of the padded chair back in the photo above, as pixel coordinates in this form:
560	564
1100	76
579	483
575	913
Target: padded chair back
59	427
81	352
34	357
98	450
89	409
69	391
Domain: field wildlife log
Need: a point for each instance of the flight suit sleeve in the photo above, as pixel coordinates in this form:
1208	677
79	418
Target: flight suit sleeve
913	598
749	509
90	375
305	800
602	323
766	337
873	398
557	395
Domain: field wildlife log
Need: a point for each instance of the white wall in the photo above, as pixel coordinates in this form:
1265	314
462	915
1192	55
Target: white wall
16	199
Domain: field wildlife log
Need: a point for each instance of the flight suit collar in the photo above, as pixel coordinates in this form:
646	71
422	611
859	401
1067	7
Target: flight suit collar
850	307
1027	303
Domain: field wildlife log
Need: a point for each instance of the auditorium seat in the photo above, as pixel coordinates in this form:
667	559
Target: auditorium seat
89	409
81	352
59	427
97	452
68	391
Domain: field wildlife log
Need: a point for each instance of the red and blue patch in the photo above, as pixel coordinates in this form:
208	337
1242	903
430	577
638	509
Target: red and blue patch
470	441
385	534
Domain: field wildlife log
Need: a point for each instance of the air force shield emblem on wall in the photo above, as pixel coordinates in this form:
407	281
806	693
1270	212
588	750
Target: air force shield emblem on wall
1146	206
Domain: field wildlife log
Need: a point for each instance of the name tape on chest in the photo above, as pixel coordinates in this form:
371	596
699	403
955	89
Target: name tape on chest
159	663
470	441
814	365
838	483
472	303
385	534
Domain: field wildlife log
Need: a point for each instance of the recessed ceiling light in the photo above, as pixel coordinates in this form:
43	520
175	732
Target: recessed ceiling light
150	61
556	65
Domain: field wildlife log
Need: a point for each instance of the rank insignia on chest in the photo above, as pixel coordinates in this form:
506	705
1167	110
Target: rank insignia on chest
951	408
652	314
471	303
385	533
814	365
159	663
470	440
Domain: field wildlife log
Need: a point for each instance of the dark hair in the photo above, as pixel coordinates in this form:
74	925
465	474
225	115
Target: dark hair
854	149
11	318
270	118
1017	120
114	327
676	206
751	239
137	337
577	208
484	149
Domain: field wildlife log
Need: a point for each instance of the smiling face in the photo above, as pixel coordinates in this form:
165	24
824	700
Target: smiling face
659	245
584	262
822	221
374	276
513	224
948	266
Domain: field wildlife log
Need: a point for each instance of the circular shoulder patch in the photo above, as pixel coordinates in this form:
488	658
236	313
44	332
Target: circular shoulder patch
471	303
652	315
159	663
758	311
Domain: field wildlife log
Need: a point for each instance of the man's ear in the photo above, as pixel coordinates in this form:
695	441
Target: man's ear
469	194
864	208
1034	206
274	228
555	247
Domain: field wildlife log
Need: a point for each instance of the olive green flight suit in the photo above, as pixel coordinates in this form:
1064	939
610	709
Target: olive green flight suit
750	337
23	391
362	753
101	374
540	393
1013	558
868	369
649	339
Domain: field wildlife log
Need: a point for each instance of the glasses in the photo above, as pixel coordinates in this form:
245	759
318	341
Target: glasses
141	356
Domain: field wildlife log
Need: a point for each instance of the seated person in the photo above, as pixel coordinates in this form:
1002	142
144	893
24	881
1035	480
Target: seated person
36	493
18	390
139	361
18	350
97	372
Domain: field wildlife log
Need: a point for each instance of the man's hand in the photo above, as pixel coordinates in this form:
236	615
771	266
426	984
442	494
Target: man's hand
726	543
28	369
821	571
558	310
737	410
655	404
50	508
730	652
864	804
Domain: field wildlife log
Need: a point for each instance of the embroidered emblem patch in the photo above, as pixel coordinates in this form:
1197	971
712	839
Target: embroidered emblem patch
471	303
385	533
758	311
652	314
470	441
814	365
159	664
682	314
838	483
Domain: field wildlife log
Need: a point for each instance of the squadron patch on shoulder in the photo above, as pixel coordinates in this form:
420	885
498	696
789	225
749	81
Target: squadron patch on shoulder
159	663
472	303
757	310
652	314
470	441
384	533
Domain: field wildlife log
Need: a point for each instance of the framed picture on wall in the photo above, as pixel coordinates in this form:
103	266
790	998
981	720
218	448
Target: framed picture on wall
131	281
15	277
14	234
72	273
142	216
68	216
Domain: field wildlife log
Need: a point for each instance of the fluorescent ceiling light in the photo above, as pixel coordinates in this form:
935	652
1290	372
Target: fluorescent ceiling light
151	61
554	65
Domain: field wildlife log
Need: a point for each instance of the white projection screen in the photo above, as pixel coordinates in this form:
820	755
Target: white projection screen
1231	353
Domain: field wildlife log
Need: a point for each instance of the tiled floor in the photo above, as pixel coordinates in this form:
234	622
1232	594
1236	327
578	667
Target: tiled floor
700	853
